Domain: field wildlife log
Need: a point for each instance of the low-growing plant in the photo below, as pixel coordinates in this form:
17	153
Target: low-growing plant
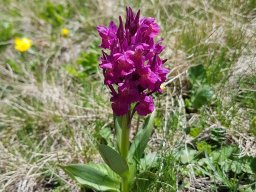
89	60
212	157
132	71
6	33
87	63
55	13
200	93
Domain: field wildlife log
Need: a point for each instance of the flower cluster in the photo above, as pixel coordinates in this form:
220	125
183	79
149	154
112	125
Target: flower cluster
132	67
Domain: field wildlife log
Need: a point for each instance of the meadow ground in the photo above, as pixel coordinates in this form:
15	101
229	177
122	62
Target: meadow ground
54	107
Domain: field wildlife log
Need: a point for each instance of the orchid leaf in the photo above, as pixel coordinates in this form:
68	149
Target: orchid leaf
96	176
113	160
118	128
141	140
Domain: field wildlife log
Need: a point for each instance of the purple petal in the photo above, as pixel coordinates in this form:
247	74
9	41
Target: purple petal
119	107
145	106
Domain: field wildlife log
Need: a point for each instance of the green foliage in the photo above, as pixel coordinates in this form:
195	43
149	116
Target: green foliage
86	64
144	182
91	176
201	96
219	163
225	166
118	129
156	174
55	14
191	39
16	68
201	93
89	61
53	182
195	131
96	176
203	146
113	160
197	74
149	161
218	135
186	155
105	134
71	70
216	58
253	126
6	31
247	94
141	140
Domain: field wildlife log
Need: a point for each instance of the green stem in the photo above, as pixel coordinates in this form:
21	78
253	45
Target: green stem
125	148
125	184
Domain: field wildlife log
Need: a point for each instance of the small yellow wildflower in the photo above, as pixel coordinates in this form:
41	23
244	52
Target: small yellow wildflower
22	44
65	32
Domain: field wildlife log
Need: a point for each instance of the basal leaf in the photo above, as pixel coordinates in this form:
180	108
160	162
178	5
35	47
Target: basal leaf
201	96
95	176
197	73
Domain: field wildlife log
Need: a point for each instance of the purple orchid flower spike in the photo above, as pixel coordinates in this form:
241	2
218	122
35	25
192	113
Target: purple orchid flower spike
132	67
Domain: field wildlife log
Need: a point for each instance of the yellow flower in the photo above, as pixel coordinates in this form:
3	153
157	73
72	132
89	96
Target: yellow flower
22	44
65	32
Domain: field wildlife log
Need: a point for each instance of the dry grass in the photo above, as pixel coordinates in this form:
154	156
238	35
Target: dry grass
47	117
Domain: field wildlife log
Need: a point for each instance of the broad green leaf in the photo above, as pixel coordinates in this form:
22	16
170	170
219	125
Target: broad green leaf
141	140
113	160
105	133
196	73
187	155
149	161
227	152
195	131
89	61
201	96
203	146
95	176
236	167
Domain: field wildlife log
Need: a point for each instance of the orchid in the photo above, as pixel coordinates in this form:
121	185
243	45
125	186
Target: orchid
133	71
132	65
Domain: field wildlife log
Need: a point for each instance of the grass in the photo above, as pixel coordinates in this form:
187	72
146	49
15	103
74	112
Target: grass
55	109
